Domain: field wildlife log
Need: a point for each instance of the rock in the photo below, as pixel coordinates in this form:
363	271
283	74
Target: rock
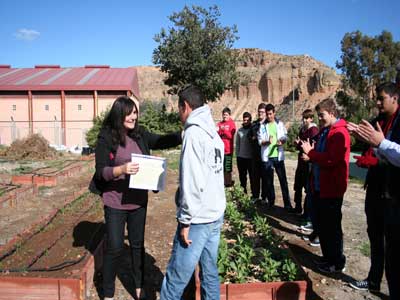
270	78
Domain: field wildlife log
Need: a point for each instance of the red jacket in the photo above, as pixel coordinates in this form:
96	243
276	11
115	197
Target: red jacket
226	130
334	161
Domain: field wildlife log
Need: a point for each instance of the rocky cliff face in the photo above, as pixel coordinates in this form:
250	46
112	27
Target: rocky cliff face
270	78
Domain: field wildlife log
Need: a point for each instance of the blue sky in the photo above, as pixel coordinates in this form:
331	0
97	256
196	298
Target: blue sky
120	33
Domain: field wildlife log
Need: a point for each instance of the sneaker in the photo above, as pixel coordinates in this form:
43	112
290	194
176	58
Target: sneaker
305	238
315	242
364	285
329	269
255	200
307	227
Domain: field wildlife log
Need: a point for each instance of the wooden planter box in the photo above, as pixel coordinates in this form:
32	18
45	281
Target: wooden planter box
48	288
284	290
293	290
52	179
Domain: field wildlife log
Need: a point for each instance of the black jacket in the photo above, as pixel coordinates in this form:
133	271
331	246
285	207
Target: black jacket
106	151
384	177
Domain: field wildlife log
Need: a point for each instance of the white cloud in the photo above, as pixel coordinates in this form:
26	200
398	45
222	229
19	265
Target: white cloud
27	34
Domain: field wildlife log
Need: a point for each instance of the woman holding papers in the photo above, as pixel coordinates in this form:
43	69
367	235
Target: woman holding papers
119	137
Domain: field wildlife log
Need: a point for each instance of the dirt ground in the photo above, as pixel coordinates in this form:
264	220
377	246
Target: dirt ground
161	226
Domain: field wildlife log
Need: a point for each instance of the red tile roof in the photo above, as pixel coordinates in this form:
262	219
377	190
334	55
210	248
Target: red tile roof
53	78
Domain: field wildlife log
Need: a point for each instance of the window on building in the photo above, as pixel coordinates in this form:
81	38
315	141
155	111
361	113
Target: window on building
46	107
14	107
79	106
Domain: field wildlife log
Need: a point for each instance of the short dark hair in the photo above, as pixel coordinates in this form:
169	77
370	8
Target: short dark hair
226	110
246	114
329	105
261	106
389	88
269	107
192	95
308	113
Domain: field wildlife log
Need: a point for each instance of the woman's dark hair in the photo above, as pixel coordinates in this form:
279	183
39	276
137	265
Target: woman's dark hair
114	121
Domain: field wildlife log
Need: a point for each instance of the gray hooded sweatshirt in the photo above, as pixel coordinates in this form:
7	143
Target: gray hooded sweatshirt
201	197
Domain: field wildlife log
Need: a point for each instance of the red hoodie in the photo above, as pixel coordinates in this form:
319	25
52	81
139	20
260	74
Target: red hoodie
226	130
334	161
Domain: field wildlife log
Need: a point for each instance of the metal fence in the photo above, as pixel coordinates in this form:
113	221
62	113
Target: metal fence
52	131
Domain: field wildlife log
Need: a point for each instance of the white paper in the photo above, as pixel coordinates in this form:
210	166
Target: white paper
151	174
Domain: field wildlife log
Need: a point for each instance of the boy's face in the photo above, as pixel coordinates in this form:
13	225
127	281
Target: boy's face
261	114
307	121
246	121
386	103
184	112
326	118
226	116
270	114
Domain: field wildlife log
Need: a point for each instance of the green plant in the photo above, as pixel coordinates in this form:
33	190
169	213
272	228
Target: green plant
269	267
292	135
93	132
289	270
365	249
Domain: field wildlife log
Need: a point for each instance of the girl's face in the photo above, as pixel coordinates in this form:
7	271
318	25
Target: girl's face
130	120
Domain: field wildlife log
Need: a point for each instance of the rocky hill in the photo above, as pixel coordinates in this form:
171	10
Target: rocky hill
271	78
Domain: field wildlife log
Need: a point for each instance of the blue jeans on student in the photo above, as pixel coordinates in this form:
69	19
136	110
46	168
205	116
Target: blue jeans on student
267	174
203	250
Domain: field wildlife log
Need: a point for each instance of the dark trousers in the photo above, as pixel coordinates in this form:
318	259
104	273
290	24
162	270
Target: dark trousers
374	211
329	211
115	220
255	179
300	182
313	211
392	246
268	180
244	168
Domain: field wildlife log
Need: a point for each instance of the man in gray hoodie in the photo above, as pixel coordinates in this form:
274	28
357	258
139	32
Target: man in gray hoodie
200	201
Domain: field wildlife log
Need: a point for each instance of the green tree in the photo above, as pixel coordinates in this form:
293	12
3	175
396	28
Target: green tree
368	61
93	132
197	50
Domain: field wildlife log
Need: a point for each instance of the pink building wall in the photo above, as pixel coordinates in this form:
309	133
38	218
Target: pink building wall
20	127
47	122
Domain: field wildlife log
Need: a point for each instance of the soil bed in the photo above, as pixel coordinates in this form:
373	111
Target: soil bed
61	246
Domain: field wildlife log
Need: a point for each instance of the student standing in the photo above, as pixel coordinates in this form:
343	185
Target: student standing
200	201
226	130
244	151
272	135
331	172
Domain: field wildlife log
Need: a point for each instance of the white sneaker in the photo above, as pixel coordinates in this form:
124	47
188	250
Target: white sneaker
307	228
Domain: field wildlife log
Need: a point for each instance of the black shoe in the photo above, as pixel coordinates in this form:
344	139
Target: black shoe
364	285
330	269
319	261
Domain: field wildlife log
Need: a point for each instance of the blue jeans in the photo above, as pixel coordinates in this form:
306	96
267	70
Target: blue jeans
267	174
203	250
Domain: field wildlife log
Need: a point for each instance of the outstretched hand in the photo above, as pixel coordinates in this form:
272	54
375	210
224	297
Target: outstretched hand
366	133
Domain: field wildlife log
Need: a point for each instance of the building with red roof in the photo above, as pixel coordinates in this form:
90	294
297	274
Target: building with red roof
60	103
